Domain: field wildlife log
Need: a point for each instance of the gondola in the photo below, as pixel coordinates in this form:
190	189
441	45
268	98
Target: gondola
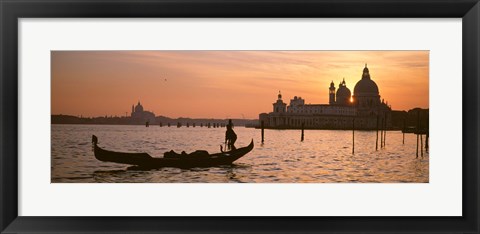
196	159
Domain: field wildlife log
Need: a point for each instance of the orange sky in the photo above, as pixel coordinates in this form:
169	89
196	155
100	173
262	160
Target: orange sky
225	84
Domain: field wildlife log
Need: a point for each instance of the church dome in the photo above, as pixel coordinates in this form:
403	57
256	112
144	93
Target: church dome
344	92
139	108
365	85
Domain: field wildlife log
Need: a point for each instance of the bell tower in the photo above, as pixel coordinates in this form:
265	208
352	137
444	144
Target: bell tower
331	93
279	106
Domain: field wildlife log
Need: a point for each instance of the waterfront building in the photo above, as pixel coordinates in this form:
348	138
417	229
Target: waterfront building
141	116
364	107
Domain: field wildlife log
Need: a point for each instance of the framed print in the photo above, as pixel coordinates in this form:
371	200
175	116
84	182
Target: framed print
187	91
278	116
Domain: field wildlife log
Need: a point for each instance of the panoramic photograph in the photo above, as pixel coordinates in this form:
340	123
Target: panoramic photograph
201	116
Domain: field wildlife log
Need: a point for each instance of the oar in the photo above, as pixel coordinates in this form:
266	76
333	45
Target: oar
221	148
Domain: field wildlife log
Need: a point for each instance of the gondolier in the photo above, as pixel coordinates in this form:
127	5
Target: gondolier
230	136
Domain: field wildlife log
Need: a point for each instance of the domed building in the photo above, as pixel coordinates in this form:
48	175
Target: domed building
138	108
364	107
366	85
366	97
365	94
140	116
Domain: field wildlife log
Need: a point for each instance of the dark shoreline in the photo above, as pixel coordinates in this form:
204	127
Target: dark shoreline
164	121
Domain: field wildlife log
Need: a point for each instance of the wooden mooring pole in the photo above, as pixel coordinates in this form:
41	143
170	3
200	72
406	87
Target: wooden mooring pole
381	133
421	145
385	131
263	128
420	132
303	127
417	146
353	136
426	136
403	140
417	129
376	141
426	142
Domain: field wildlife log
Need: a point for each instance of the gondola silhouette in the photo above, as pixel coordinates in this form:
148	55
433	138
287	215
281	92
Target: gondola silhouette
170	159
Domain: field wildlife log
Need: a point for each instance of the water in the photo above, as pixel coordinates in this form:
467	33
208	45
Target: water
323	157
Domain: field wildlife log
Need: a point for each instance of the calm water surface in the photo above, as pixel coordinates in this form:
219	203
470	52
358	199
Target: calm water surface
323	157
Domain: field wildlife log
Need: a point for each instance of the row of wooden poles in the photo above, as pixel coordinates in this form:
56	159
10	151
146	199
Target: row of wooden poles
208	125
419	132
382	127
383	133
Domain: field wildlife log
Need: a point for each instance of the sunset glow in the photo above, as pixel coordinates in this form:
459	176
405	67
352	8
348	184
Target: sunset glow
225	84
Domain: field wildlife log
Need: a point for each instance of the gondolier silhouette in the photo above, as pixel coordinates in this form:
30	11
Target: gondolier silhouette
230	136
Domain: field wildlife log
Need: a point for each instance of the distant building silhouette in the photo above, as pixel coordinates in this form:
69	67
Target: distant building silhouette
364	106
141	116
279	106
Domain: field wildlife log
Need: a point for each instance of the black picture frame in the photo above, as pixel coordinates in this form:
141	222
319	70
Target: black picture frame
11	11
